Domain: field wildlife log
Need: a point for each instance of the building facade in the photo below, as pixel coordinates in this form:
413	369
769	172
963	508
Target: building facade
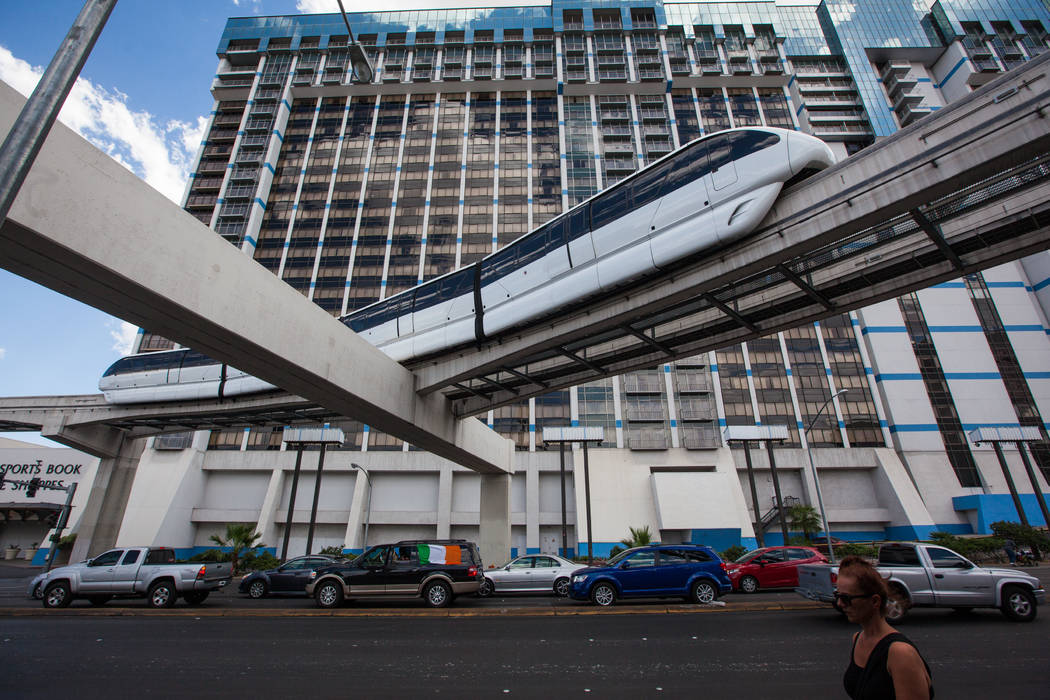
480	125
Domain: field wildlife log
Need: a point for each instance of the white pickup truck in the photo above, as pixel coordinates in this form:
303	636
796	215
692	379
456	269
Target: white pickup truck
130	572
926	575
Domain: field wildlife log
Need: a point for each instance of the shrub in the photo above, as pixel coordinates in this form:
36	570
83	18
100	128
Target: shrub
856	549
258	561
210	555
1023	536
733	553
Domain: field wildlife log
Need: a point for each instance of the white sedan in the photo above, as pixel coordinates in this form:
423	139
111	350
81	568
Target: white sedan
532	573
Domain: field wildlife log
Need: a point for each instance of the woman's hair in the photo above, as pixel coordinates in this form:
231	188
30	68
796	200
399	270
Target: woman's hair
869	580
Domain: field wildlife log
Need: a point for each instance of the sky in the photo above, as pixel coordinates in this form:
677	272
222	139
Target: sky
143	97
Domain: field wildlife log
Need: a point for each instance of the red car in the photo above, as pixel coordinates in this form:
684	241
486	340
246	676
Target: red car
771	567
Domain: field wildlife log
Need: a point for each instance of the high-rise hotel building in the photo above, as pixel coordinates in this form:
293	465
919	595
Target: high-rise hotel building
481	124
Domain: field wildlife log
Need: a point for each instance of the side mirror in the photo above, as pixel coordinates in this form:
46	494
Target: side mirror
625	565
963	565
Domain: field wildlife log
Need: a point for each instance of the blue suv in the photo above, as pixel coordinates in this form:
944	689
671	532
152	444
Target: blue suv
691	571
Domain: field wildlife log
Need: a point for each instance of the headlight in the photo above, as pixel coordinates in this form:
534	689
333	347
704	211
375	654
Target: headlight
579	579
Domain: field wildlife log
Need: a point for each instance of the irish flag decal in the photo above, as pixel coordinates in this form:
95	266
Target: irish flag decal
439	554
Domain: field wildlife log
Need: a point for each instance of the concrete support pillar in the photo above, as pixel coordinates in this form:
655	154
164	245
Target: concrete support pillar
494	530
108	500
267	525
444	507
355	525
532	507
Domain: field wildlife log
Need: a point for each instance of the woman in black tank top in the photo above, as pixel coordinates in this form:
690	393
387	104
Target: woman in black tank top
883	662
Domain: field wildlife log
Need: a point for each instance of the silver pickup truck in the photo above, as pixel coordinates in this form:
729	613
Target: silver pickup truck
926	575
130	572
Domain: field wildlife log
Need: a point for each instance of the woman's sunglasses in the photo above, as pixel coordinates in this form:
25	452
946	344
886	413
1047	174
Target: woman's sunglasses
845	599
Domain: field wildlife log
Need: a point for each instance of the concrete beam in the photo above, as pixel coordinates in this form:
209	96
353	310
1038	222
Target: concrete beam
86	227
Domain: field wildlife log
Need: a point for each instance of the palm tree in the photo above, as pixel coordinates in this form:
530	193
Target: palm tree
240	537
806	519
639	537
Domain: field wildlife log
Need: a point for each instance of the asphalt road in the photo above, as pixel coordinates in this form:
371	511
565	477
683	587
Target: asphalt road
725	655
532	646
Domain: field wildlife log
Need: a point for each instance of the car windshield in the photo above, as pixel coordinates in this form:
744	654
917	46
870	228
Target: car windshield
621	556
749	556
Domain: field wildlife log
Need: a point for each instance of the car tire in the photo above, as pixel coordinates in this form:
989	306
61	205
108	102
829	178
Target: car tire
98	600
561	587
328	594
603	594
258	589
897	604
1018	604
749	584
57	595
196	597
437	594
38	592
703	592
486	589
162	595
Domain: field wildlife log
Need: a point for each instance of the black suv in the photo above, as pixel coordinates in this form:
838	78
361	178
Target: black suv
435	570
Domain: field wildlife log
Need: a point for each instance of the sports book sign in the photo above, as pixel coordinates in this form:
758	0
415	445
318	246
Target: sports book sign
56	468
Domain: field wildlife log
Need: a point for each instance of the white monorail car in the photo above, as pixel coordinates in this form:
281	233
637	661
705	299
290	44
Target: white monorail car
711	191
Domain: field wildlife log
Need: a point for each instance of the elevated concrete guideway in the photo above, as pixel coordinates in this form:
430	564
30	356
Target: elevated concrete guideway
961	190
88	228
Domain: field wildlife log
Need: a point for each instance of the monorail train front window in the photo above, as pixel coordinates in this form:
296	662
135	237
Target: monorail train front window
747	142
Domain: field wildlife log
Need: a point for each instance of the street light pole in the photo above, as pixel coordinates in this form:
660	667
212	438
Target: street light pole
368	506
816	479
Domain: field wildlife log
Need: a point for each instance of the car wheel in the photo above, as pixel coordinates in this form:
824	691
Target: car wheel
328	595
486	588
749	584
98	600
257	589
703	592
1018	604
437	594
196	597
603	595
561	588
162	594
58	595
897	605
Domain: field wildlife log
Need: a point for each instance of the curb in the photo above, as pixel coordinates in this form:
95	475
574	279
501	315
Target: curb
400	612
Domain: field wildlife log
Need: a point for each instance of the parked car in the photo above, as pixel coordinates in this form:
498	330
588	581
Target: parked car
926	575
532	573
132	572
290	577
771	567
693	572
434	570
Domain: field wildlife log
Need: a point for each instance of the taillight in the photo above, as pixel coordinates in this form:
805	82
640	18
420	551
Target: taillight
834	577
200	571
725	567
472	572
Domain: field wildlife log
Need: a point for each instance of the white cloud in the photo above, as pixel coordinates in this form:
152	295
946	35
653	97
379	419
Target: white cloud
123	336
161	154
2	353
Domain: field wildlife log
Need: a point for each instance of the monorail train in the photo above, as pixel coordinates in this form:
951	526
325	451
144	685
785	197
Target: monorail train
710	192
